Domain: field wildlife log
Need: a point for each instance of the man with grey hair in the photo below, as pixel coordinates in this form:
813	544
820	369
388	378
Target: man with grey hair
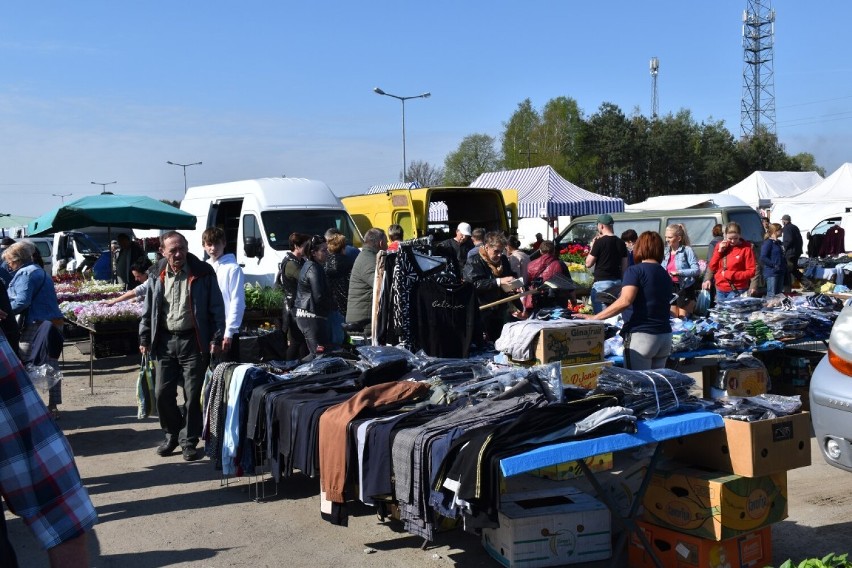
183	322
359	305
791	238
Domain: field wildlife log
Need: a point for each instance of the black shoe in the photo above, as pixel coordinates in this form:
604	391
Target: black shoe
191	453
167	447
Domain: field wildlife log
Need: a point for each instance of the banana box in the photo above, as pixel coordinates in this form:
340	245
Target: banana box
574	345
584	376
672	548
751	449
558	472
714	505
549	528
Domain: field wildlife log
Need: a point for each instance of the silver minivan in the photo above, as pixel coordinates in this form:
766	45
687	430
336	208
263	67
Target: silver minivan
44	245
831	395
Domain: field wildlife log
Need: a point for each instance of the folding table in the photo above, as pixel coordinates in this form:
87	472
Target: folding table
650	431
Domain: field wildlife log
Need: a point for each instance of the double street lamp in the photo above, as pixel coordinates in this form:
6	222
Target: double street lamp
184	166
378	91
63	196
103	186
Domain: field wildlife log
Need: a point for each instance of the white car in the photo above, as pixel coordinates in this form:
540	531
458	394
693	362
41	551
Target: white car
831	395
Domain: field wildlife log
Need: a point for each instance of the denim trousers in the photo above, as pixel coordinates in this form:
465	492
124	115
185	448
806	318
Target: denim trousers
600	286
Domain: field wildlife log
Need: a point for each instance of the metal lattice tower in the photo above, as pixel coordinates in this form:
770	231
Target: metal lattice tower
655	101
757	112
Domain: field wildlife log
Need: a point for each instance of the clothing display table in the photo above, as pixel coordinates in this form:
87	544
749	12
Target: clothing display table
648	432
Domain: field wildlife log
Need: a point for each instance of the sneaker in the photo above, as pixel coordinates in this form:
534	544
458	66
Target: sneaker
167	447
190	453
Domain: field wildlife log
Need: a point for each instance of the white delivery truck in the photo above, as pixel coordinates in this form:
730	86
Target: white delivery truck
258	216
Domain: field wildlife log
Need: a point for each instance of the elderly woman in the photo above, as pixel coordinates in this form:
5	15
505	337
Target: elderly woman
544	268
645	294
682	265
33	297
490	273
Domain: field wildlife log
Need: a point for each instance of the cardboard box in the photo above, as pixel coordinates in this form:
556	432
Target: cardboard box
714	505
734	382
790	367
549	528
574	345
751	449
585	376
750	550
571	469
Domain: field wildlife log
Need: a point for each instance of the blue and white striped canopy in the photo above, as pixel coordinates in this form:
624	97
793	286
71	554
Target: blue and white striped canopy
544	193
388	186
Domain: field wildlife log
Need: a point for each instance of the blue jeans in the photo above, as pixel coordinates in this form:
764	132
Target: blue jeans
725	296
600	286
774	285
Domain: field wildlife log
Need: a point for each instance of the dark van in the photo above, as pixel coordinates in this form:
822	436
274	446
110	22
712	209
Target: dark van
699	223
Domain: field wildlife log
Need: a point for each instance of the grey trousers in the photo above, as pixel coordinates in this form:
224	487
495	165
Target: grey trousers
177	359
643	351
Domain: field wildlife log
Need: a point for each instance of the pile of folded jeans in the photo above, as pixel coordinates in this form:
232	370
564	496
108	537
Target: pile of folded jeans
648	393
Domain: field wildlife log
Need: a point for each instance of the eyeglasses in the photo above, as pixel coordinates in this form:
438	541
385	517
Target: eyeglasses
497	250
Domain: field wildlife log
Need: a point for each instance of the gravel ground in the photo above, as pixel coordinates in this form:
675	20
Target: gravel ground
166	512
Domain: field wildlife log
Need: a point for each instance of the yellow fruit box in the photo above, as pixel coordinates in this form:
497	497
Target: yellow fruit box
572	470
585	376
714	505
574	345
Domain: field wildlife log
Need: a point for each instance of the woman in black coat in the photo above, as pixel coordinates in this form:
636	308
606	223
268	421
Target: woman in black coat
313	296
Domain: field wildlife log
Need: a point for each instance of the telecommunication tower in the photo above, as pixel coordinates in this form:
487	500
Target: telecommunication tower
757	112
655	102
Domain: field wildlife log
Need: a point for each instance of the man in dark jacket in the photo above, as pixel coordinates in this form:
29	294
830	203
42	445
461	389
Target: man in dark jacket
129	253
460	244
183	322
359	307
791	238
490	272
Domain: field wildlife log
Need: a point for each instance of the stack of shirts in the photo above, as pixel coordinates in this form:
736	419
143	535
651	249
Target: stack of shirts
648	394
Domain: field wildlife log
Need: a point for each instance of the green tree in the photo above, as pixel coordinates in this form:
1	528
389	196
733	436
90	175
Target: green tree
609	141
763	152
425	174
475	155
521	138
805	162
719	167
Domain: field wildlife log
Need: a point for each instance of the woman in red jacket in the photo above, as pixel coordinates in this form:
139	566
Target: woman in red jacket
732	264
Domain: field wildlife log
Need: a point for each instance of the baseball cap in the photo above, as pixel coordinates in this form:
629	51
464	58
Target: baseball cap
464	229
605	219
785	217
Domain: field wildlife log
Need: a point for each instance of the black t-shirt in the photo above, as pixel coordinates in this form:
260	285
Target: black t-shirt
649	312
608	251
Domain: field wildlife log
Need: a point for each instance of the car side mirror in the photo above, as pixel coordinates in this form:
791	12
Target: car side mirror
253	247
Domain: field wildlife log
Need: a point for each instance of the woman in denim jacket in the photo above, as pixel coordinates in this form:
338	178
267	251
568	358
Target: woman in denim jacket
682	265
772	258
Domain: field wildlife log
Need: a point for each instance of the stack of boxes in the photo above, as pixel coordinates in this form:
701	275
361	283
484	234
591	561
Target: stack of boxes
718	508
579	348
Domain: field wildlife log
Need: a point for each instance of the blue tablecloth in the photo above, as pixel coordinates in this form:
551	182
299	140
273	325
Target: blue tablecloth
648	432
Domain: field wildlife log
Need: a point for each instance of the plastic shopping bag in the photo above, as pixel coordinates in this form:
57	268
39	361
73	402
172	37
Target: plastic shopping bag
145	398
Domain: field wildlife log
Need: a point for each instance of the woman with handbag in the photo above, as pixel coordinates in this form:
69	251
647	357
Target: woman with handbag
732	265
682	265
33	298
313	296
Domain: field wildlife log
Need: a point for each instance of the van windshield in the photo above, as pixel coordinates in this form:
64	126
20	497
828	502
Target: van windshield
279	224
87	245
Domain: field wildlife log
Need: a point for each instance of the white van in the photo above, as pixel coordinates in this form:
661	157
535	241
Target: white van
258	216
45	249
74	250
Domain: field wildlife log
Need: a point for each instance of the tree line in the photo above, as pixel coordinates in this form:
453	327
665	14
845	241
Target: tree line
632	157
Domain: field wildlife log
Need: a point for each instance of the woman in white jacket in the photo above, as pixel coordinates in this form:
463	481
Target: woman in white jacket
231	281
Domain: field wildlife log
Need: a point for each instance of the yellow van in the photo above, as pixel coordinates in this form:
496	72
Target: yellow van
435	211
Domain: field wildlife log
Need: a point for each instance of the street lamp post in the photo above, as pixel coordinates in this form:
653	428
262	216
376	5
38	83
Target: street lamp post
378	91
63	196
184	166
103	185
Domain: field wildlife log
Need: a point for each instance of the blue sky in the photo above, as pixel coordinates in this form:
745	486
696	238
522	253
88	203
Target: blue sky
109	91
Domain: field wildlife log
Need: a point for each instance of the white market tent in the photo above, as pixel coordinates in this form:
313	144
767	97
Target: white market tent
772	186
829	198
686	201
543	193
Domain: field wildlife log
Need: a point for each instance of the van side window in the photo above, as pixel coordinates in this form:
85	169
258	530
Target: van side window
581	233
638	225
699	229
750	224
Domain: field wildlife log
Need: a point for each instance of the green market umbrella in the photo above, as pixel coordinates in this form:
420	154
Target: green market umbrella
110	210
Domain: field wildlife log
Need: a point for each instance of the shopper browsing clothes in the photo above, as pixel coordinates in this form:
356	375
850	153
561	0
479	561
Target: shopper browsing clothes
645	294
313	297
490	273
183	323
682	265
608	255
732	265
773	261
